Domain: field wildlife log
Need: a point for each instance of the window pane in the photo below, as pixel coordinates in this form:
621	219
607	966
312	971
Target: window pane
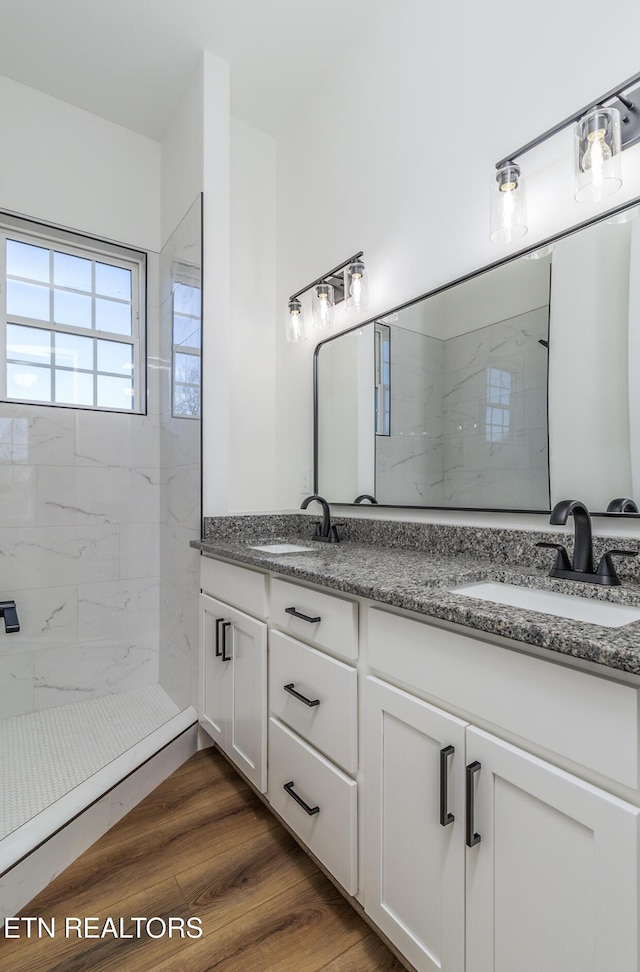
73	351
28	343
186	300
74	309
113	281
113	317
73	388
115	392
186	400
186	330
24	260
187	368
116	357
27	300
29	381
71	271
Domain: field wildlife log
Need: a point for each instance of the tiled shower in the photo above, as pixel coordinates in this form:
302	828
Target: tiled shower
96	514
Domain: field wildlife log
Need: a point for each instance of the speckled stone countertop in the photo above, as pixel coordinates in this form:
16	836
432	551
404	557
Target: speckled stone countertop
413	566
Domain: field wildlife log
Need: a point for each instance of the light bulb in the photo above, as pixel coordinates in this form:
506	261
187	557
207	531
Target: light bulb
323	309
597	141
294	321
597	151
508	218
355	287
322	306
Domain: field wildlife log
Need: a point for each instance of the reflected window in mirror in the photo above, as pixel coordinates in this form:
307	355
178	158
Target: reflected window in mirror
498	412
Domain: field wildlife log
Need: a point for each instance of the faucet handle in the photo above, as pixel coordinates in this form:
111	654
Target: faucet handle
334	536
562	557
606	568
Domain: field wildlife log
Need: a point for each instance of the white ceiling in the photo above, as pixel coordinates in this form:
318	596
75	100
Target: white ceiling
130	60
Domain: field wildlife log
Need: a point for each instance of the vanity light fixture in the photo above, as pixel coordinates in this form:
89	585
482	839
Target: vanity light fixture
508	209
294	321
603	129
347	281
322	305
356	287
598	146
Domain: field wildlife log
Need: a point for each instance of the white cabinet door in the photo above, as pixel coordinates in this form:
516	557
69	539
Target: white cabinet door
233	701
553	881
413	864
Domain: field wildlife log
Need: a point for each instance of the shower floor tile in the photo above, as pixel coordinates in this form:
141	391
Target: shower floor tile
44	755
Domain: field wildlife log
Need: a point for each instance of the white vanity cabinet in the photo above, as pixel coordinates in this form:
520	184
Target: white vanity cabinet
233	666
479	856
469	794
313	739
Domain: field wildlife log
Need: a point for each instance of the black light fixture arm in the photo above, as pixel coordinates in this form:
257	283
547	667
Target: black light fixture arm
327	276
631	104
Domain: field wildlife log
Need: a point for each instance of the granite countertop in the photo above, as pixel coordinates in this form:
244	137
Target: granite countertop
420	580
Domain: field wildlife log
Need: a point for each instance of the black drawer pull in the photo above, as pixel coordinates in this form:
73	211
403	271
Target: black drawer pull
301	698
226	624
302	617
218	623
445	817
305	806
472	837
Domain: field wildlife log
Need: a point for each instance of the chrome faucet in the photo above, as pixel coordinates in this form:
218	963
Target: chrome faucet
325	532
582	567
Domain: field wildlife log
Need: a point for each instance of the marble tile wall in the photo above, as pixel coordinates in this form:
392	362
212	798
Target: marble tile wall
79	512
179	504
483	460
409	461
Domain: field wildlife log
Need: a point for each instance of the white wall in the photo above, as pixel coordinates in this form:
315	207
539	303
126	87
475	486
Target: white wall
66	166
216	308
182	155
253	319
395	155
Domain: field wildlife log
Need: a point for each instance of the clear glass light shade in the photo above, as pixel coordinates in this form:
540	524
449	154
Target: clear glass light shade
508	205
625	216
294	329
356	287
597	145
322	306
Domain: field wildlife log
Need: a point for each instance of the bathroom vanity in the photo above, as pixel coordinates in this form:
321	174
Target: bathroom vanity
468	774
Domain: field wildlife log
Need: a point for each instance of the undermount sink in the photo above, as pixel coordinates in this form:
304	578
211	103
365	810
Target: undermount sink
588	610
280	548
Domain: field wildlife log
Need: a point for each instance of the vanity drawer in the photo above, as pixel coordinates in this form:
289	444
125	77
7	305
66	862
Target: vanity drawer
239	586
331	831
589	720
331	725
332	622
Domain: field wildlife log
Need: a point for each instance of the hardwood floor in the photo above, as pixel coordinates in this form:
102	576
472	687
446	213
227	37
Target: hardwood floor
201	846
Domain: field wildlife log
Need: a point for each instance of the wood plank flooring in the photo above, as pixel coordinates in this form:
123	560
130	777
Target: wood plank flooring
202	845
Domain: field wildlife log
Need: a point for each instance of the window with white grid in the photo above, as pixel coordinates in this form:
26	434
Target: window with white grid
73	329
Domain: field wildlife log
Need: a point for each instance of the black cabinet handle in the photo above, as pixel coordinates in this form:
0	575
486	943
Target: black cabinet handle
225	625
445	817
472	837
218	623
301	698
305	806
303	617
